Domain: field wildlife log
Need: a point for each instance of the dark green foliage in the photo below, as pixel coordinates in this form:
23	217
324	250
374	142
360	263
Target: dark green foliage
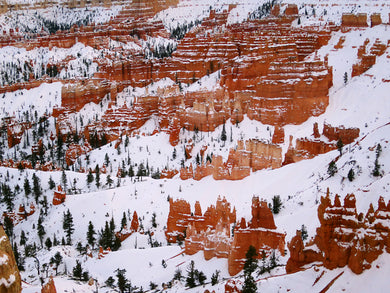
276	204
89	178
351	175
48	243
27	187
249	267
8	227
19	260
215	278
7	196
178	275
152	285
77	271
56	260
40	229
23	238
68	226
110	282
263	10
91	234
340	146
332	169
345	77
122	281
123	221
37	190
108	237
376	172
97	176
154	224
109	180
223	134
190	280
304	234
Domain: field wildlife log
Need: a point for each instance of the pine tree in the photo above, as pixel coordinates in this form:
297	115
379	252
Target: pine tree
190	280
23	238
121	280
215	278
67	225
97	176
345	77
64	180
109	181
48	243
123	221
154	224
351	175
40	229
91	235
223	134
276	204
27	187
340	146
37	190
249	267
19	260
8	196
77	271
89	178
304	234
332	169
52	184
8	227
56	260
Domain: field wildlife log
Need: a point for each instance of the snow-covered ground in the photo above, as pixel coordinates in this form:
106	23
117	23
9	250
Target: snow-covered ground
361	102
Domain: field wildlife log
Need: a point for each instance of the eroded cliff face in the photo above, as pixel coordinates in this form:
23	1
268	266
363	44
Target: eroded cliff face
10	281
345	238
211	232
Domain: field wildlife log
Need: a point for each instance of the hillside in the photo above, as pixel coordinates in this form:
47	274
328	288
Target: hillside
174	129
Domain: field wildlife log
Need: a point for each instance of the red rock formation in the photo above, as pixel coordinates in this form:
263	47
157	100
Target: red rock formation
49	287
233	286
134	222
345	238
10	277
375	19
259	233
354	20
59	196
346	135
74	151
291	9
166	173
278	136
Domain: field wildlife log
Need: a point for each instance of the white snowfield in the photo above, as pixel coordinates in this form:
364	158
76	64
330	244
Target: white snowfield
361	102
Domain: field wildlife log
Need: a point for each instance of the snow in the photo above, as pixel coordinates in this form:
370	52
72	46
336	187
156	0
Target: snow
362	102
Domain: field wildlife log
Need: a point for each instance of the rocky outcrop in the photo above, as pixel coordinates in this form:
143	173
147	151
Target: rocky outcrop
10	281
49	287
210	232
345	238
59	196
367	60
181	219
335	133
74	151
354	20
260	232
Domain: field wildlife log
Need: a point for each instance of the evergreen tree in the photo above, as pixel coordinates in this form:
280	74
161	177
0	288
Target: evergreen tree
332	169
376	172
154	224
351	175
121	280
276	204
77	271
249	267
97	176
223	134
89	178
91	235
190	280
8	197
37	190
40	229
340	146
19	260
56	260
23	238
345	77
123	221
8	227
48	243
67	225
304	234
64	180
109	181
215	278
27	187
